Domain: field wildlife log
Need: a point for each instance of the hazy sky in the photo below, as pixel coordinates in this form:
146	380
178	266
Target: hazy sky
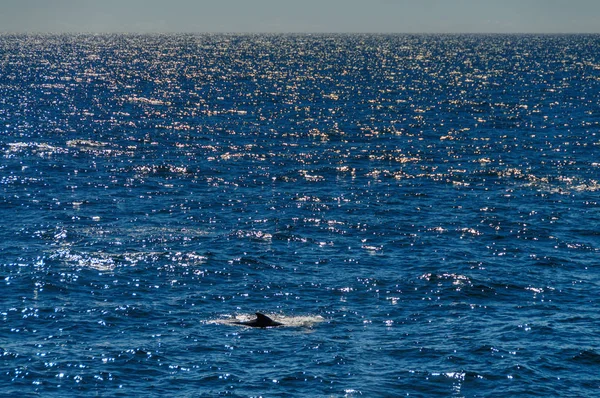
523	16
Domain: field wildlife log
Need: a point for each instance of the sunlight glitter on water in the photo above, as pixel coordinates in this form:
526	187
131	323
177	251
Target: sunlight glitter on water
421	209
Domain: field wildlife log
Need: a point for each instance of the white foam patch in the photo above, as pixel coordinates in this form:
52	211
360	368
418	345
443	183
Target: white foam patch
305	321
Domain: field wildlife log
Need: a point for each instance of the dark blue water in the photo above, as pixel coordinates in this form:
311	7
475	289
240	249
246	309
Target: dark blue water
433	201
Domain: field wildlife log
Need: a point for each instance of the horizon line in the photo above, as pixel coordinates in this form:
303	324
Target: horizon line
284	33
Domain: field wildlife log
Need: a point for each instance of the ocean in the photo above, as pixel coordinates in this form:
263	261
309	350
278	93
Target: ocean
421	212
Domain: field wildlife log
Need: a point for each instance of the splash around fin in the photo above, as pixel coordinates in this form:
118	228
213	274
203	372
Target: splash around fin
260	320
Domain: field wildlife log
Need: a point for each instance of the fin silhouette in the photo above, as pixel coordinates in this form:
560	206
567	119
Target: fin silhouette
261	321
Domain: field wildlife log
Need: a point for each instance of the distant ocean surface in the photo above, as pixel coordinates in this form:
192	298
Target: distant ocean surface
422	210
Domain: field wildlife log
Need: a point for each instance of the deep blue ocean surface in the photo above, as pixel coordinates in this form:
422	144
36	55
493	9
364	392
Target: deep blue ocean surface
423	212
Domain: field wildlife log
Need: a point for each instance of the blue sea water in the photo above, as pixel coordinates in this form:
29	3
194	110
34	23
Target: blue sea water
427	205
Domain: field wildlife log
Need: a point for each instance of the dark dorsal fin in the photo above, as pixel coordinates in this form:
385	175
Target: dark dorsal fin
264	321
262	318
261	321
